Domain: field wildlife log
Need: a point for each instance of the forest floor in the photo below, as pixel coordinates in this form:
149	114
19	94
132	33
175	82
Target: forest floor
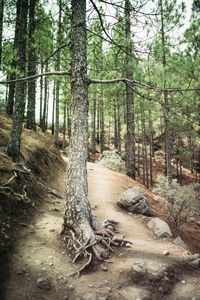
39	252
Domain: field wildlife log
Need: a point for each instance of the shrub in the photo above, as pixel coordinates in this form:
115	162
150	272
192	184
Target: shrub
182	202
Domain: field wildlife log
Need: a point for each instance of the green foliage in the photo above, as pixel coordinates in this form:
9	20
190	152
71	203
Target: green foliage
182	201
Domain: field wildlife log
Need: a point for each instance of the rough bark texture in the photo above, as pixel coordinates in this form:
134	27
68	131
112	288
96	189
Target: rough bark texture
77	207
130	136
31	124
11	94
57	112
1	26
13	148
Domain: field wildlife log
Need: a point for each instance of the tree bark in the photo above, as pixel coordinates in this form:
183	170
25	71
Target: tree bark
31	123
130	135
13	148
1	28
78	216
57	111
168	170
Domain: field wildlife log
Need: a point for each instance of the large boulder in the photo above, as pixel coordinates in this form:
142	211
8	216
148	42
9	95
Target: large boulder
112	161
134	201
159	227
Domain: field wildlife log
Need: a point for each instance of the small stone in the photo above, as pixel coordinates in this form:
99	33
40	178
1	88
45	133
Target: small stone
165	252
90	285
183	281
43	283
65	298
37	262
104	268
160	289
179	242
50	264
138	270
70	288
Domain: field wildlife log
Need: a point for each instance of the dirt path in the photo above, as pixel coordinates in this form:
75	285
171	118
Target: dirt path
39	252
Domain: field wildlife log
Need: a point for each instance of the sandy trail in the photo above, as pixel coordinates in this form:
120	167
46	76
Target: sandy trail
39	251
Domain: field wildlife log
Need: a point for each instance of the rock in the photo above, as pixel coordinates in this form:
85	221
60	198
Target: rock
193	261
179	242
65	298
138	270
43	283
135	202
70	288
104	268
165	252
112	161
159	227
91	296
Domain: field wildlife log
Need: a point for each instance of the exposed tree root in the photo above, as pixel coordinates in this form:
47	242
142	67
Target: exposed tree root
97	245
20	197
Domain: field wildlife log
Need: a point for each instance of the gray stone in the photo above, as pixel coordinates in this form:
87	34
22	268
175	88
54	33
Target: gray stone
43	283
91	296
165	252
193	261
138	270
159	227
112	161
135	202
179	242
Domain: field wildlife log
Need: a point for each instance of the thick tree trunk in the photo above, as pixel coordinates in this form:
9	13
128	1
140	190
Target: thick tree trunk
31	124
130	135
13	148
11	94
78	216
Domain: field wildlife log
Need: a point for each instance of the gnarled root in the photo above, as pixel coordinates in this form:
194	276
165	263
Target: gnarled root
95	244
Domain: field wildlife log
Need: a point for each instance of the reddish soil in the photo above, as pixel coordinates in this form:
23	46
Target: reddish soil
40	252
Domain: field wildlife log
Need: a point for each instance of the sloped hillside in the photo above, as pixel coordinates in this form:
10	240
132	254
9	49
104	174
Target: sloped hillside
23	184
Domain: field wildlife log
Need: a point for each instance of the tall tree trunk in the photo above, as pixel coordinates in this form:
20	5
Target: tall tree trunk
53	109
69	120
64	123
58	81
130	135
98	122
11	94
118	125
115	123
13	148
44	114
41	95
166	102
102	134
31	124
94	108
151	148
78	216
1	27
